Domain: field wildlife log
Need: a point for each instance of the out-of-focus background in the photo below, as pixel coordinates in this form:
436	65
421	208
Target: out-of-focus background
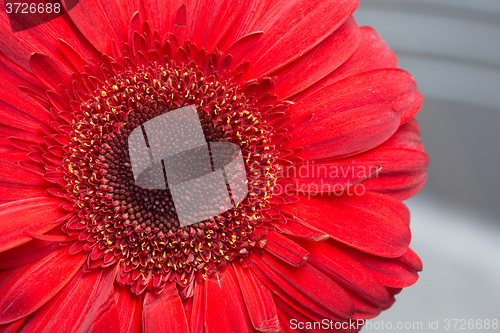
452	48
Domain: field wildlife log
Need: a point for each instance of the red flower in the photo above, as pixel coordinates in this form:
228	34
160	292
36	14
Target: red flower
325	124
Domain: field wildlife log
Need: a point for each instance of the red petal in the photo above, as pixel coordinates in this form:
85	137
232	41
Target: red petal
53	238
17	176
211	20
401	189
164	313
371	222
392	292
64	312
18	108
365	310
305	288
391	87
12	327
288	33
258	300
397	273
102	22
31	215
224	305
197	313
286	249
288	316
7	131
347	272
20	144
73	57
407	136
402	160
412	260
243	25
102	312
346	133
241	47
81	306
9	193
332	177
16	76
29	287
300	229
130	314
161	13
403	171
372	53
49	71
24	254
319	62
43	39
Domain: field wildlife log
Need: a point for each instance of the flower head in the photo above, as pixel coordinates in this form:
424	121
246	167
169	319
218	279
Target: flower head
325	125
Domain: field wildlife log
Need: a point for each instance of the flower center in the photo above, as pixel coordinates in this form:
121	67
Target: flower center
120	221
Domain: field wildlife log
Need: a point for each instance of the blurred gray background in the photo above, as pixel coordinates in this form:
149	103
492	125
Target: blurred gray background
452	48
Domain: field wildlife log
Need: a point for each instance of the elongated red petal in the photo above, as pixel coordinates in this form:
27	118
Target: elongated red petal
16	175
290	317
197	320
347	272
49	71
73	58
7	131
211	21
74	308
102	313
164	313
30	215
287	33
241	47
391	272
130	306
65	311
16	106
402	161
15	76
305	288
301	229
365	310
250	14
286	249
160	14
372	53
8	193
403	170
258	300
346	133
24	254
102	22
391	87
12	327
319	62
14	117
407	136
367	222
224	304
332	177
29	287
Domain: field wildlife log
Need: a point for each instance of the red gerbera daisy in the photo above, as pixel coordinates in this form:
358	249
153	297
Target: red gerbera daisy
314	102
